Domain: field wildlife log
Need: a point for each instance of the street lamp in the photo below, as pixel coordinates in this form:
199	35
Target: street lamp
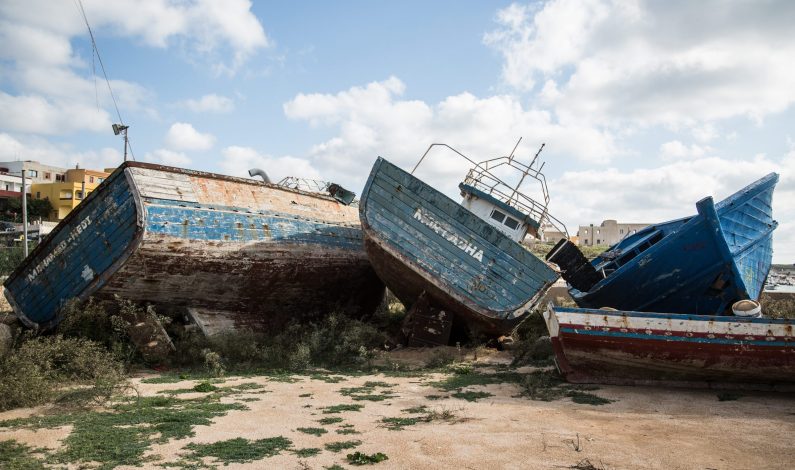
122	129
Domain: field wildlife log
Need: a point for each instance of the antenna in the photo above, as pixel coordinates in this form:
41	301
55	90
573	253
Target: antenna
525	172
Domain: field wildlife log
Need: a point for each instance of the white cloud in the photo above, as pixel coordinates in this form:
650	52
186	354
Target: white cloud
670	191
168	157
645	62
238	160
373	120
33	148
36	115
54	82
211	103
676	149
183	136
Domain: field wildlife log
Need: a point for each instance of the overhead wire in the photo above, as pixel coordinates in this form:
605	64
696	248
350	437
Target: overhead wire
95	50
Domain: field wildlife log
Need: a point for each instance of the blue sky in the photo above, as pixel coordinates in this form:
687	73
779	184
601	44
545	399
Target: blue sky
645	107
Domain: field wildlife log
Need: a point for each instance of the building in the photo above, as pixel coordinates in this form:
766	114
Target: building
10	183
65	195
35	172
551	234
609	232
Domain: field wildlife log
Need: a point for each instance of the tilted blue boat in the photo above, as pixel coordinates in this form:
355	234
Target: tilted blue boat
235	252
696	265
450	262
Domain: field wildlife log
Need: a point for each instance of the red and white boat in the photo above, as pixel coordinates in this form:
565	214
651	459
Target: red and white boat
640	348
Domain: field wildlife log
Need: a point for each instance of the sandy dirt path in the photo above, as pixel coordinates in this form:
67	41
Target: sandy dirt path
644	428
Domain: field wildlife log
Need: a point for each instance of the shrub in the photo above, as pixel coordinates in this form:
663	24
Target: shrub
38	369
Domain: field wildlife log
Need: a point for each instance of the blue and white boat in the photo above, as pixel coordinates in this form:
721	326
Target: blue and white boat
696	265
233	251
456	263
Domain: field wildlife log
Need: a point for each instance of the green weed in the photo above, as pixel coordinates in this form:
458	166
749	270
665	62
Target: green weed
472	396
342	445
359	458
330	420
341	408
307	452
240	450
313	431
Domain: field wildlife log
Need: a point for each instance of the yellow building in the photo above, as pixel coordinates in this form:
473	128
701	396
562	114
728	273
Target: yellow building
66	195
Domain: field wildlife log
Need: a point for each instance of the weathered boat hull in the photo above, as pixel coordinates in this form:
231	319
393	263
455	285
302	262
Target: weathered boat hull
618	347
699	265
259	252
420	241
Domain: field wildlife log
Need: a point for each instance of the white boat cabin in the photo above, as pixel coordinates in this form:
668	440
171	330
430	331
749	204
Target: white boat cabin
505	218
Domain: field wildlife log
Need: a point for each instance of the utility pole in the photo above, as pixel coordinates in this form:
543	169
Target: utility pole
24	215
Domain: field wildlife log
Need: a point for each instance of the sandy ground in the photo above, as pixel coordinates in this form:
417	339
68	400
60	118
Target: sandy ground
645	428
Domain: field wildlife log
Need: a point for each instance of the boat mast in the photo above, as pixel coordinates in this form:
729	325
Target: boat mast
525	171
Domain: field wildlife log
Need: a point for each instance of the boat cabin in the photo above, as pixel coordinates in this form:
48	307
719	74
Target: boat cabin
507	219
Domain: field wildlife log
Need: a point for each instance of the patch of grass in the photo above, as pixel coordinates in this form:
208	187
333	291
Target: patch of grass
342	445
335	467
585	398
349	430
459	381
330	420
121	435
416	410
305	395
367	391
329	379
435	397
359	458
283	377
472	396
240	450
440	357
343	407
313	431
163	379
205	387
14	455
548	386
729	396
307	452
398	424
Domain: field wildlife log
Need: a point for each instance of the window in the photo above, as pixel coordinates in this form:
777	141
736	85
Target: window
59	177
100	180
598	241
586	231
79	194
90	179
511	223
66	194
621	231
598	231
47	176
497	215
38	194
33	173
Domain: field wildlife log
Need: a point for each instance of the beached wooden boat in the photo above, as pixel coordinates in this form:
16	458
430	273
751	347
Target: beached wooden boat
601	346
235	251
449	261
695	265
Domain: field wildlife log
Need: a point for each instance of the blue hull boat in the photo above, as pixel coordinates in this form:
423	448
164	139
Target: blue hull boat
235	252
437	255
697	265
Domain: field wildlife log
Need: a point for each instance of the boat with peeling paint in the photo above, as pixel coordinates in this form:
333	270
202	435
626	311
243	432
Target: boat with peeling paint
640	348
456	264
695	265
235	252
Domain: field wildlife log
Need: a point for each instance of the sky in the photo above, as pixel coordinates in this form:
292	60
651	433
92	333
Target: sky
644	107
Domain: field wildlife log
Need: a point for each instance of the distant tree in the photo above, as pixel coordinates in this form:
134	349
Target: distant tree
37	208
